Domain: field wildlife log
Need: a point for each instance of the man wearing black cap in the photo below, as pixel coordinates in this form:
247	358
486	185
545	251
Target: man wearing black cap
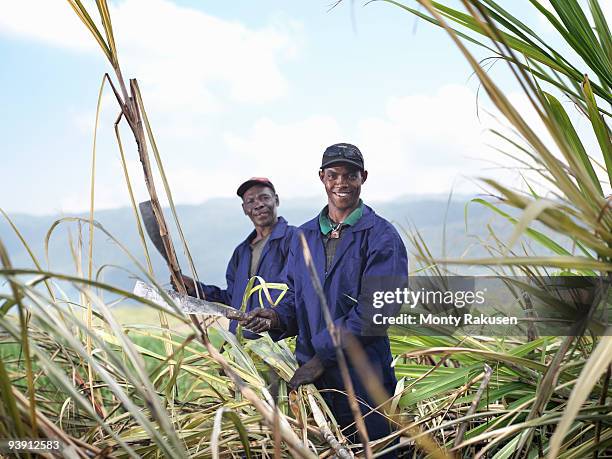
263	253
354	251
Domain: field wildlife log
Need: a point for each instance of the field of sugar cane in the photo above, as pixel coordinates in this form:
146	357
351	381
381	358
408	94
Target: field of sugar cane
72	370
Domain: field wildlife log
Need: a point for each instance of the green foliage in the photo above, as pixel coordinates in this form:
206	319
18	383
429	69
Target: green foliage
569	390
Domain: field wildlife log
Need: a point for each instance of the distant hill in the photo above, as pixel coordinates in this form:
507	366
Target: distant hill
215	227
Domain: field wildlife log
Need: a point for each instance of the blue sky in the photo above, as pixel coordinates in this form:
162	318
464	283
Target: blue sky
236	89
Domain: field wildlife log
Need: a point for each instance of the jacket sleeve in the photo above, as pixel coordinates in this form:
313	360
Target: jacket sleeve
217	294
286	308
386	269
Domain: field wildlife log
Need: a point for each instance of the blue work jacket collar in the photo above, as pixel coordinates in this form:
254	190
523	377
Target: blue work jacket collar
349	234
366	221
279	230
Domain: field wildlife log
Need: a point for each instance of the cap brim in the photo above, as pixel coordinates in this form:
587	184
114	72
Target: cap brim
343	161
251	183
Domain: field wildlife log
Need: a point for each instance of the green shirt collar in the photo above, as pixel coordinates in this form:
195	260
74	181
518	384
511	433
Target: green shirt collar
326	225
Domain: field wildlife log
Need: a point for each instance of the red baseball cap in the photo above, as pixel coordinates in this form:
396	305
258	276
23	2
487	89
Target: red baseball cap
252	182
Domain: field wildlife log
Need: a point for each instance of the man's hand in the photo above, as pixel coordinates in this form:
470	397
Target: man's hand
307	373
261	320
189	285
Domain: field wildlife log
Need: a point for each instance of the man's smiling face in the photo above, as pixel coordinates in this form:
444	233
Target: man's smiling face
259	204
343	185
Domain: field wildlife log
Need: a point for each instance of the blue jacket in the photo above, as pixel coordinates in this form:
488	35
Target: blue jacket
370	256
271	265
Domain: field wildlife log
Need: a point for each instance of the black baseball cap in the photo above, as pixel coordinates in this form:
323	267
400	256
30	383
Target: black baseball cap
252	182
342	153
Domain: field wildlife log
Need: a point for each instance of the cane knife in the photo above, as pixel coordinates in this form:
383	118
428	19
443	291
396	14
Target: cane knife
188	304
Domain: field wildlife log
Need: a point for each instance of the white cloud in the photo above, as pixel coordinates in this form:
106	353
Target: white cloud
182	53
426	144
422	144
289	153
51	22
186	60
191	64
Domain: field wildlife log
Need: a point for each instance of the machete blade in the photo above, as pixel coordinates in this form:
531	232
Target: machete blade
152	227
188	304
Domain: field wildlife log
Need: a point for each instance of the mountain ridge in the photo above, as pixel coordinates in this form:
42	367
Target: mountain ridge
215	227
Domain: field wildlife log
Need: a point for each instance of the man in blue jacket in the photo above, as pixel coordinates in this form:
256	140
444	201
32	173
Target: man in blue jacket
263	253
355	251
